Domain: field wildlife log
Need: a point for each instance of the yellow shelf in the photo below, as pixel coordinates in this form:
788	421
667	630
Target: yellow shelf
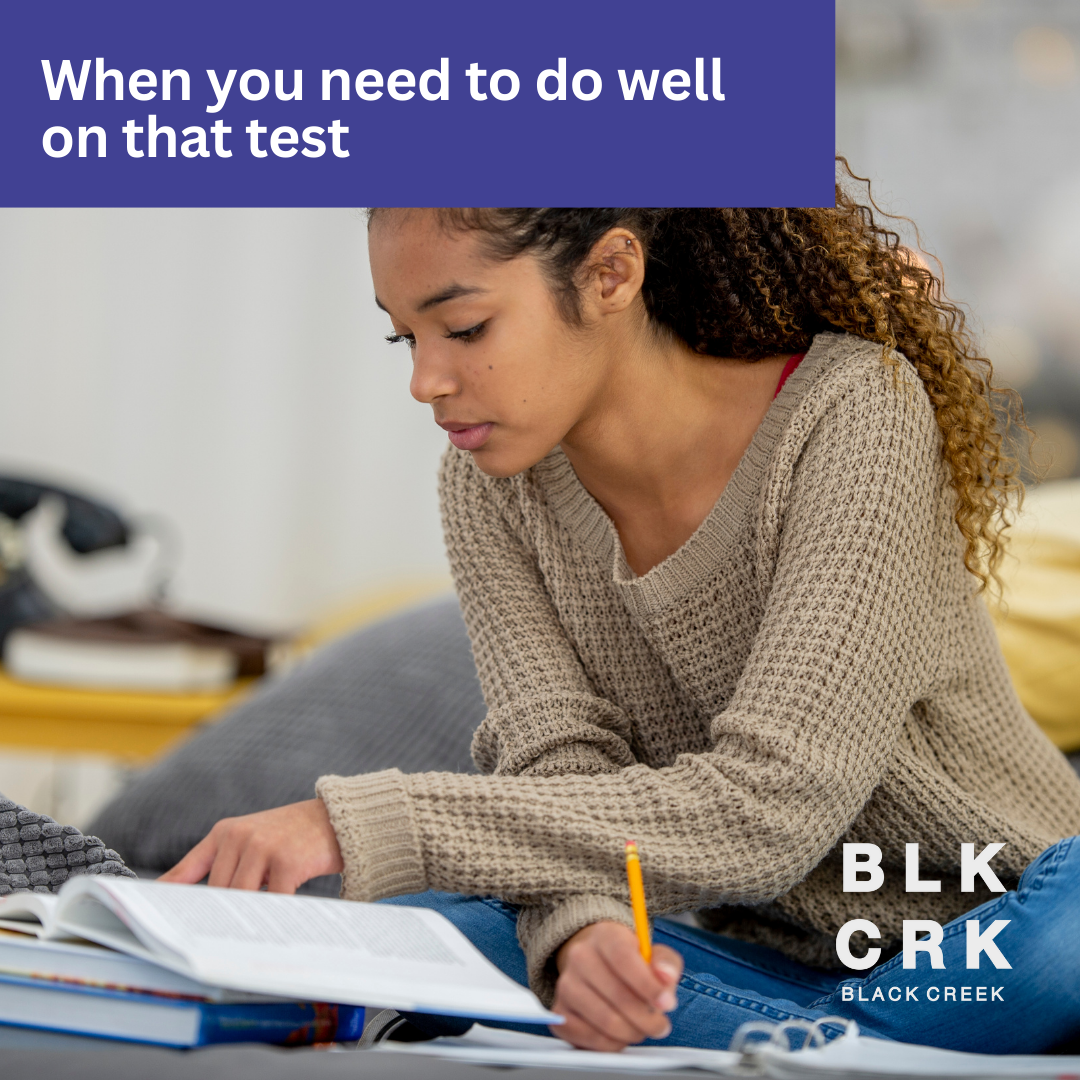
134	727
124	725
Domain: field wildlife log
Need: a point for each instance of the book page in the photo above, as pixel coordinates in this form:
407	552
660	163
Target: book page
228	915
313	948
27	913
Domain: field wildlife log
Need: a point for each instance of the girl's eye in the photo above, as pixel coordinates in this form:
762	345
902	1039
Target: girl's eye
395	339
471	334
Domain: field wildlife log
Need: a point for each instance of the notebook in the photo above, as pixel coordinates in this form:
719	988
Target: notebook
849	1056
482	1045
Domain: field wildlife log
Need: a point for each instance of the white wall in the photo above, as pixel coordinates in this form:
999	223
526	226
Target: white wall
225	368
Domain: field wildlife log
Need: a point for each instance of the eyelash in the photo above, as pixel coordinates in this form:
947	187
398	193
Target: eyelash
473	333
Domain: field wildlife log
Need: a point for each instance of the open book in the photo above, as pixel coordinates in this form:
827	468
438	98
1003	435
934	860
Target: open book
296	947
71	962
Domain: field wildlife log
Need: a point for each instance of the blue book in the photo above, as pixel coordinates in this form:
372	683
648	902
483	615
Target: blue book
170	1020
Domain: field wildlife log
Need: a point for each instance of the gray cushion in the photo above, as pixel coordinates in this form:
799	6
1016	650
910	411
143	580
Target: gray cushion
402	693
39	854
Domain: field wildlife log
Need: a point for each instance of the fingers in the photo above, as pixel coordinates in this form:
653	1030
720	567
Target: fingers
279	848
579	1033
598	994
195	865
280	878
619	983
621	956
667	965
608	994
227	856
252	867
232	837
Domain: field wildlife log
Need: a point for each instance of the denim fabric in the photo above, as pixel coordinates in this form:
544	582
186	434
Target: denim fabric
1039	997
1028	1008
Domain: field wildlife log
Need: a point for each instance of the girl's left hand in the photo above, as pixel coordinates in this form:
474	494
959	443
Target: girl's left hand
279	848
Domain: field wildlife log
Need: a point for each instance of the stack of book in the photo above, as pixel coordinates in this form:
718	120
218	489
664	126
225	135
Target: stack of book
80	988
188	965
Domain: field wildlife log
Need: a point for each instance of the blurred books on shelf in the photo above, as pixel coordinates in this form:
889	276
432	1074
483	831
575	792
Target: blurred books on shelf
147	650
51	734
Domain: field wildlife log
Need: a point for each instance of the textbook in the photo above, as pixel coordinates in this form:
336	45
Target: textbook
302	948
170	1020
83	963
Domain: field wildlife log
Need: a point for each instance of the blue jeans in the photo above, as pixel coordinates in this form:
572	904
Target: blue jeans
1028	1008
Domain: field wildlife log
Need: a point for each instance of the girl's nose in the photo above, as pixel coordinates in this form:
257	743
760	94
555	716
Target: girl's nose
432	378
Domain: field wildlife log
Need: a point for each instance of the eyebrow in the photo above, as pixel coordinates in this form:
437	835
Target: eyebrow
451	292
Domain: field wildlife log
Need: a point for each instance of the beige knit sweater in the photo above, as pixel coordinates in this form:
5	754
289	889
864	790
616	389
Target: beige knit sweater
813	666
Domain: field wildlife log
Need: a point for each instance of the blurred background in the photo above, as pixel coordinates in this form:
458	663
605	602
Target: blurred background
220	378
224	370
223	373
964	115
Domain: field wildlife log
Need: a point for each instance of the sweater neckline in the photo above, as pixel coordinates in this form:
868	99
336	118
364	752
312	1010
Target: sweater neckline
713	539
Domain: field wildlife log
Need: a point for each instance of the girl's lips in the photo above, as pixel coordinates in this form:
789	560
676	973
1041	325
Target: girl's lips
471	438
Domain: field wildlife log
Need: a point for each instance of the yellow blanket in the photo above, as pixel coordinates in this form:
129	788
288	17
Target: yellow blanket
1038	617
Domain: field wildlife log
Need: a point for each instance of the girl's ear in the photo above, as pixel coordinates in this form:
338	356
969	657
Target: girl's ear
615	271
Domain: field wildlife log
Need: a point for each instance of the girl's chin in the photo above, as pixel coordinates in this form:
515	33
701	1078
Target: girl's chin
501	461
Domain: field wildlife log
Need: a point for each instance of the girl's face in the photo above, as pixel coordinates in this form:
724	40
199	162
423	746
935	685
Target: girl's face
505	375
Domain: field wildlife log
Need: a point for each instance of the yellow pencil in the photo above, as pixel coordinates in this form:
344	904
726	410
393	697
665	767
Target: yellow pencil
637	901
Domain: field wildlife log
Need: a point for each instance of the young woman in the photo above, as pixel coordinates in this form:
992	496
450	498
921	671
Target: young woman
723	490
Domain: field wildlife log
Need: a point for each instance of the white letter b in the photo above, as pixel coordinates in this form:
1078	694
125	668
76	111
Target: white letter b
862	859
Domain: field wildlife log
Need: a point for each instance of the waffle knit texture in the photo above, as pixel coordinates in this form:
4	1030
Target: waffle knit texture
812	667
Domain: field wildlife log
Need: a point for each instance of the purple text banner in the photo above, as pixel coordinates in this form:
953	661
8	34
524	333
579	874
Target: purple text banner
344	102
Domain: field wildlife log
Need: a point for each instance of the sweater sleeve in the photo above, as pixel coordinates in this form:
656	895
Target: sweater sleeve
805	738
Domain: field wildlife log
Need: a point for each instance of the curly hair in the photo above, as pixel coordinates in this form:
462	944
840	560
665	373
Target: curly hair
749	283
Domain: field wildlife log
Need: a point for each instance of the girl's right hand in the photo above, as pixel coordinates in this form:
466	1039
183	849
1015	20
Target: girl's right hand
280	848
610	997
